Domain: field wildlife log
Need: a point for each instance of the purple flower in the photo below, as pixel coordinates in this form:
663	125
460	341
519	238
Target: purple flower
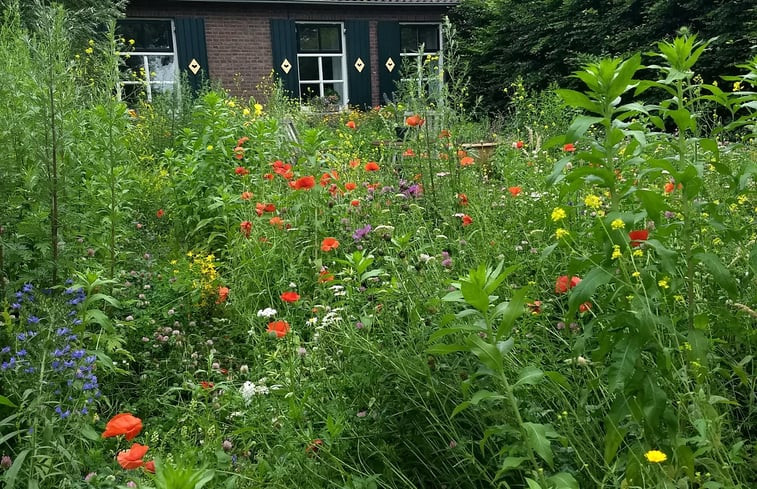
361	233
6	349
27	288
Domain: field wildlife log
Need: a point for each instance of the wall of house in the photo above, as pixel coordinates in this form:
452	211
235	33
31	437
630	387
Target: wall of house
238	35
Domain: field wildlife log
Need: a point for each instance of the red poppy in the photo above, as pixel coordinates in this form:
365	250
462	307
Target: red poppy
514	191
355	163
123	424
462	199
638	236
444	134
669	187
355	203
534	307
276	221
261	208
304	183
268	176
350	186
239	152
290	296
518	144
150	466
461	153
160	213
279	328
326	178
245	227
564	284
242	140
351	124
283	169
371	166
223	294
414	121
409	152
325	276
314	445
569	147
132	458
467	220
207	385
466	161
246	195
241	171
586	306
329	244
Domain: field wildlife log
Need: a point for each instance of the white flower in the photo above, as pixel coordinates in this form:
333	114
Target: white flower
312	321
267	312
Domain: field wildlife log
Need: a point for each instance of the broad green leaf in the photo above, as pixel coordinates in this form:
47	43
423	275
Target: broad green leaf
578	99
563	480
481	395
536	437
586	288
653	202
591	174
623	362
580	125
4	401
558	379
510	463
474	294
11	474
532	484
487	353
512	312
719	272
613	438
89	433
529	375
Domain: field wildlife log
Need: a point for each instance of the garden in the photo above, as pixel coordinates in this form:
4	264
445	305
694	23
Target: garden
207	291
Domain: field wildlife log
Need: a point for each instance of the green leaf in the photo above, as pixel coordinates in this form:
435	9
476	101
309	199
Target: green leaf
578	99
580	125
532	484
487	353
441	333
474	294
513	310
558	379
563	480
719	272
89	433
11	474
444	349
481	395
623	362
529	375
4	401
654	203
536	437
586	288
613	438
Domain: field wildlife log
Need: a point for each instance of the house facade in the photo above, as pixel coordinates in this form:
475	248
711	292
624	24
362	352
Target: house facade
348	51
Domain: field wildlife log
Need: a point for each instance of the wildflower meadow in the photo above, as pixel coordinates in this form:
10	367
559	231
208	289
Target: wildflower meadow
413	295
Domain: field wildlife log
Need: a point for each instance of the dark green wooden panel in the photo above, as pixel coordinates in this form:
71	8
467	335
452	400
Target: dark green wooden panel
358	47
388	47
284	47
190	44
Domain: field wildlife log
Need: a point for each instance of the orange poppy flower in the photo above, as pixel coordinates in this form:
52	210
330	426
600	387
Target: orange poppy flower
409	152
514	191
564	284
669	187
290	296
351	124
207	385
150	466
223	294
279	328
276	221
569	147
304	183
467	161
132	458
444	134
268	176
325	276
261	208
123	424
245	227
467	220
241	171
355	163
518	145
371	166
350	186
414	121
355	203
160	213
329	244
242	140
463	199
461	153
239	152
246	195
586	306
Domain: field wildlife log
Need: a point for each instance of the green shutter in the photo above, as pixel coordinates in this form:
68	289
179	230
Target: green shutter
389	52
284	48
358	62
191	50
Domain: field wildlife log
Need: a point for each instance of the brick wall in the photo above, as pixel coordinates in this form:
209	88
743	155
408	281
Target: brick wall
239	41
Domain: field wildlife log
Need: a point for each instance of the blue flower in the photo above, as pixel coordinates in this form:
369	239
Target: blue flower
6	349
91	359
62	331
32	320
27	288
21	337
29	370
76	321
16	306
77	354
69	281
63	414
84	410
21	352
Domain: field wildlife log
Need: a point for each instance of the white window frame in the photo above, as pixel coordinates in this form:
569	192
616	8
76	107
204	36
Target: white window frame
343	62
147	82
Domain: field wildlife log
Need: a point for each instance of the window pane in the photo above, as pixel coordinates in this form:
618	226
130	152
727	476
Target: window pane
334	92
309	90
162	68
330	39
409	38
148	35
332	67
308	36
133	67
428	35
132	94
309	68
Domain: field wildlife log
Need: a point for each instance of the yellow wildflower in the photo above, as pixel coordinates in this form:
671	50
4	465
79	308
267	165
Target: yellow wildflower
617	224
663	283
636	274
616	252
210	147
638	253
89	50
736	86
258	109
593	201
558	214
246	111
655	456
561	233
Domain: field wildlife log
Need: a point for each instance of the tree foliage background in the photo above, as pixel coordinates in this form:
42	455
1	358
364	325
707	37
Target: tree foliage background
543	41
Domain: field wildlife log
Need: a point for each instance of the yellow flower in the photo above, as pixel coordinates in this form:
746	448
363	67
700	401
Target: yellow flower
617	224
231	104
246	111
636	274
258	109
210	147
663	283
131	42
89	50
742	199
558	214
616	252
638	253
736	86
593	201
561	233
655	456
91	42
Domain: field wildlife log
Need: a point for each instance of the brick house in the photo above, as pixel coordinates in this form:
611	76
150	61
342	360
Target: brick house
349	50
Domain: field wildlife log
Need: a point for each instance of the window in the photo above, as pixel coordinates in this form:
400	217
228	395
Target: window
321	63
150	63
421	49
